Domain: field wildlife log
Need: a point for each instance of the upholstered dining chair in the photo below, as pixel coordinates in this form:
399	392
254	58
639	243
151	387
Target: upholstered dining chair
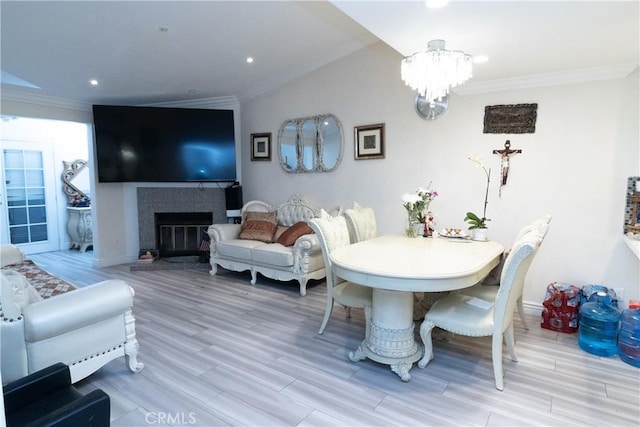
488	288
332	233
361	222
470	316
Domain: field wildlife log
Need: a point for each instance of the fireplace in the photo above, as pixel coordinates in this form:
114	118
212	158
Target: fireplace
193	209
181	233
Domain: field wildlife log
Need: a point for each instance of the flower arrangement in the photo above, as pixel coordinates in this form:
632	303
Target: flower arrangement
475	221
417	203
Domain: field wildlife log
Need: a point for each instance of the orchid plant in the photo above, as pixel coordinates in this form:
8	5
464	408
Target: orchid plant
474	220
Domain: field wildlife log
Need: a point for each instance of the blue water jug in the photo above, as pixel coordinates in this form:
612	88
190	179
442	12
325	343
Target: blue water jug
599	325
629	337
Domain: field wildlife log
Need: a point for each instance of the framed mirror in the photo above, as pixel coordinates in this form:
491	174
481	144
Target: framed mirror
75	180
310	144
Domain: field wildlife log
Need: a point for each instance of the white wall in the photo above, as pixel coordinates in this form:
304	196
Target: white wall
574	166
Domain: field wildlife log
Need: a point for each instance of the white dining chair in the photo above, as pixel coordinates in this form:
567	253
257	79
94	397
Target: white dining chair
488	288
361	222
332	233
470	316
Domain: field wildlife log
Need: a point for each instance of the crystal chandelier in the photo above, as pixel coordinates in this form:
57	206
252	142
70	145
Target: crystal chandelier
435	70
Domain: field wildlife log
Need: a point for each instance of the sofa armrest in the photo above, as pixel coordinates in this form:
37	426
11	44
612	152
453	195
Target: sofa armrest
304	247
221	232
46	397
76	309
308	243
36	386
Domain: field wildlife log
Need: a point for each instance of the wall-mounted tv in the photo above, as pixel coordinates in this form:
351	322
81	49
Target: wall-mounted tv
155	144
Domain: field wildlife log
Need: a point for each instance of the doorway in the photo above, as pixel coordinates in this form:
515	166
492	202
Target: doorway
32	156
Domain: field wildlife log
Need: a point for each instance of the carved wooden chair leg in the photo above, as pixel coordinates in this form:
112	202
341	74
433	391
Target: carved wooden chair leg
327	315
425	334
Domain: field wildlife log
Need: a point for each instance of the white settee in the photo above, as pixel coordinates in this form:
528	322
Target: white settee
84	328
300	261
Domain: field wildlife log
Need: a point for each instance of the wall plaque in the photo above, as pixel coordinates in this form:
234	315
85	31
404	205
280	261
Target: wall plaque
519	118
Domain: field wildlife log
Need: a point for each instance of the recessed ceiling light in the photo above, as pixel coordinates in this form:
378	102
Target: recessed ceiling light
435	4
480	59
249	60
93	82
163	29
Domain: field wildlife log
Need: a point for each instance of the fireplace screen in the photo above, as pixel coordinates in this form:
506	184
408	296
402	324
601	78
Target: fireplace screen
181	233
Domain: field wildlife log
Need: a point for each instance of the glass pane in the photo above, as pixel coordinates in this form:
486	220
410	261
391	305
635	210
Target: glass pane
15	178
37	215
33	160
17	216
38	233
166	242
179	236
13	159
19	235
16	197
36	196
192	238
35	178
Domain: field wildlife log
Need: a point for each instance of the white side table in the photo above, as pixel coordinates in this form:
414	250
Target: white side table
79	228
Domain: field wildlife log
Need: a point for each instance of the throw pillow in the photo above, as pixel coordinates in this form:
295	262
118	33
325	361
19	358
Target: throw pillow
259	226
281	229
290	236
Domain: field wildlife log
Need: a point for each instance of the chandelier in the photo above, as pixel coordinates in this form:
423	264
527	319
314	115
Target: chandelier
435	70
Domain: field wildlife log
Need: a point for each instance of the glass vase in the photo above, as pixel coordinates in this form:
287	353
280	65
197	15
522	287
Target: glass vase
412	229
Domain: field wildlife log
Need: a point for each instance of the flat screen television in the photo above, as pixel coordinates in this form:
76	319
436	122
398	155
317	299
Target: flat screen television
155	144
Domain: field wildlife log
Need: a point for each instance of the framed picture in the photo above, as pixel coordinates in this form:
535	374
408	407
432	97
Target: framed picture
369	142
261	146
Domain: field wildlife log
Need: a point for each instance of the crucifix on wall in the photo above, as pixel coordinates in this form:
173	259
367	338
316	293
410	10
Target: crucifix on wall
504	163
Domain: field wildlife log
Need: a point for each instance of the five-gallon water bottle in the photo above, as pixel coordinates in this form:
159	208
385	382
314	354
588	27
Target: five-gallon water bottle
629	337
599	323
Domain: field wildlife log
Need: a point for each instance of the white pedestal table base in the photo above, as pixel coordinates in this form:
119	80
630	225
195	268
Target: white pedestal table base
391	338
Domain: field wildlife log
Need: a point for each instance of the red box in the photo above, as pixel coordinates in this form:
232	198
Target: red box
634	303
561	306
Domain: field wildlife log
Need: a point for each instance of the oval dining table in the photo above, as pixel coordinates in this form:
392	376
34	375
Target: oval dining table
396	266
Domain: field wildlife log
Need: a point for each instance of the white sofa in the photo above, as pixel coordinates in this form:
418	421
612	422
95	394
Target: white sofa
84	328
301	261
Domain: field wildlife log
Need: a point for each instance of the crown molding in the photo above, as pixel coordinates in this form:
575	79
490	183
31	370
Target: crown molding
207	103
9	94
28	97
584	75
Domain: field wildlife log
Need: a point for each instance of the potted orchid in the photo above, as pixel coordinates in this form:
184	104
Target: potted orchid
416	205
477	224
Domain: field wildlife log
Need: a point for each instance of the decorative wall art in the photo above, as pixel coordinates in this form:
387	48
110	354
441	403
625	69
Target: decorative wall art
504	162
519	118
369	142
75	179
261	146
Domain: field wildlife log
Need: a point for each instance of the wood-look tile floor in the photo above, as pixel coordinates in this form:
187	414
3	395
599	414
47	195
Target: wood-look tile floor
221	352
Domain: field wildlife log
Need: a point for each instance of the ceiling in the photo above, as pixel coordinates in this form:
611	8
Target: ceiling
147	52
